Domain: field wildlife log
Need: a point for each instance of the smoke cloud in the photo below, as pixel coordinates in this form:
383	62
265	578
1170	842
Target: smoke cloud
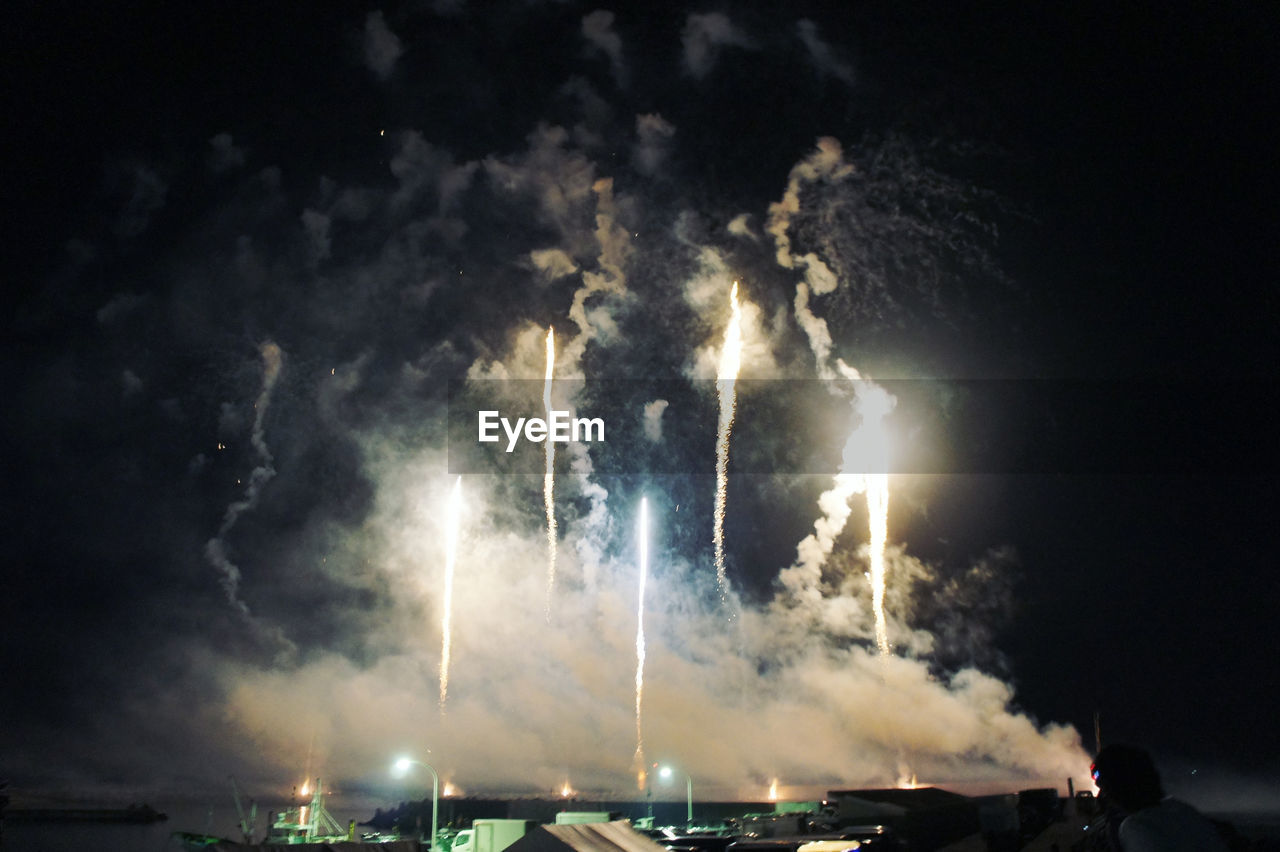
216	548
440	261
703	38
597	29
381	46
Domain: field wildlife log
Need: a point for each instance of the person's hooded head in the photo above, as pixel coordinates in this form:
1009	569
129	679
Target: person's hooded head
1126	775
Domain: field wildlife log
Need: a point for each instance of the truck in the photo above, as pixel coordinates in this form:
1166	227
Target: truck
580	817
492	835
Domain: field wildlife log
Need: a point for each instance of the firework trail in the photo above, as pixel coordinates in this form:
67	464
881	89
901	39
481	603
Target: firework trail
878	515
730	361
306	775
549	478
644	571
450	563
215	549
867	452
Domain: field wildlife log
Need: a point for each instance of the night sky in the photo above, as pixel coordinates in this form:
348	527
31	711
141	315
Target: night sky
251	252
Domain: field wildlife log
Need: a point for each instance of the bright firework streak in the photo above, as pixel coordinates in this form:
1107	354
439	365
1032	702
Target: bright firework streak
878	516
643	532
867	451
730	361
450	563
306	780
549	478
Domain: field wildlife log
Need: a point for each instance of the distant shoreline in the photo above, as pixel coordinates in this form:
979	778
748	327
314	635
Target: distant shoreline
132	814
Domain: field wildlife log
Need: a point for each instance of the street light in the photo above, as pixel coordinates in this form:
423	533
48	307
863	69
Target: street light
666	772
400	767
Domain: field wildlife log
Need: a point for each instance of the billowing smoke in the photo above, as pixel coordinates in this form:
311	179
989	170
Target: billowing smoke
532	703
608	241
802	688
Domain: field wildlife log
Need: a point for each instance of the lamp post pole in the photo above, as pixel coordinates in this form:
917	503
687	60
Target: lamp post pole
403	765
665	772
688	789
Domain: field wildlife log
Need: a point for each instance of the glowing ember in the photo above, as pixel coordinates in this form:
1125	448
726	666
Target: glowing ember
730	362
549	478
450	563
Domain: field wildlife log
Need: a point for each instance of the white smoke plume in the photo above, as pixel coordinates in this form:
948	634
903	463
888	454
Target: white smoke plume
826	163
224	154
821	54
740	226
597	29
553	263
216	547
703	38
653	419
653	143
382	47
819	712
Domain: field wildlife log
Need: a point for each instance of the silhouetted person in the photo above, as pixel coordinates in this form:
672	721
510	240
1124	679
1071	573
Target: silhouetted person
1149	821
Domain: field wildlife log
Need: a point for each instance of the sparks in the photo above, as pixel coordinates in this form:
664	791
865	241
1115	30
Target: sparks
773	791
867	452
878	516
643	533
450	563
730	361
306	775
549	478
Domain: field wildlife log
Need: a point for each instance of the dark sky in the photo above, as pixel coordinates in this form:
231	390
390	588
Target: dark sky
249	250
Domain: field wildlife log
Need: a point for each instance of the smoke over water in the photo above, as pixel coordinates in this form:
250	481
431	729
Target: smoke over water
445	267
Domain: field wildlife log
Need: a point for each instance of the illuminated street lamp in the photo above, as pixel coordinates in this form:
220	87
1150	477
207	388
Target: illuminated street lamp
400	767
667	772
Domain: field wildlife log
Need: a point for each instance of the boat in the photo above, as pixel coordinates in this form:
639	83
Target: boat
298	825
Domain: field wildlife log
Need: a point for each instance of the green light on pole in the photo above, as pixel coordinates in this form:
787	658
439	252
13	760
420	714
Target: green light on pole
667	772
400	767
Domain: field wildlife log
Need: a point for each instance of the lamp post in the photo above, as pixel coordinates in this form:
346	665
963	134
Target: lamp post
400	767
666	772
